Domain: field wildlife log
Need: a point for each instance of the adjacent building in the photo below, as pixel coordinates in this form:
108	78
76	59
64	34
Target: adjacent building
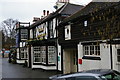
90	38
21	41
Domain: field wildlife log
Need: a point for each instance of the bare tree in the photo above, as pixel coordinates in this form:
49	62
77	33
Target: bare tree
8	27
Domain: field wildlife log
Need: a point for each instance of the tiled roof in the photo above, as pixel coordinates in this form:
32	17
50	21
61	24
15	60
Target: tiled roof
90	8
66	9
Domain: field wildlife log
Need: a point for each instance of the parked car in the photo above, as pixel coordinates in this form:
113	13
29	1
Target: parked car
12	56
97	74
6	53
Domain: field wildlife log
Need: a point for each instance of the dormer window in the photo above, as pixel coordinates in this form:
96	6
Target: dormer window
85	23
67	32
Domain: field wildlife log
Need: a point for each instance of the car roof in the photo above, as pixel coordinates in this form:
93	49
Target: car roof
99	71
94	72
73	75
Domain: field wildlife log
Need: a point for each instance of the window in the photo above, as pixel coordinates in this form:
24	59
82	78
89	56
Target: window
40	54
93	50
51	29
118	55
85	78
85	23
67	32
24	34
111	76
51	54
23	53
34	33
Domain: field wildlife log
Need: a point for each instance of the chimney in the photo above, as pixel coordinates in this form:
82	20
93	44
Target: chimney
35	19
42	17
44	12
47	13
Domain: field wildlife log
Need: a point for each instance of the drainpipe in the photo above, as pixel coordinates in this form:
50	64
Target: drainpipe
111	54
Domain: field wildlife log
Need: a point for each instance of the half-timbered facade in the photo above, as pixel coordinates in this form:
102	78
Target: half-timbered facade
44	34
21	38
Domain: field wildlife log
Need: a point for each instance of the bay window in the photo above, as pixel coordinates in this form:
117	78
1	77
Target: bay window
39	54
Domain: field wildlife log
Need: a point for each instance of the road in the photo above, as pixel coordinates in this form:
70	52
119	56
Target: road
18	72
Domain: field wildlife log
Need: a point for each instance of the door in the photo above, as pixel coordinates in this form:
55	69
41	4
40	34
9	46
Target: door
69	61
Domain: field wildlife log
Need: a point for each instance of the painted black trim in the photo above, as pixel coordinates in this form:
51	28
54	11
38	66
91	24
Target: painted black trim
77	58
46	55
90	43
111	56
62	59
30	58
91	58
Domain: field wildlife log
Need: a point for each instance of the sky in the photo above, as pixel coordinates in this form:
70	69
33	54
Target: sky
25	10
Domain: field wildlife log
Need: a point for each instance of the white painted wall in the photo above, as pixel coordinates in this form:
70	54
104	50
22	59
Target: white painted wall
44	67
20	61
31	34
54	27
116	64
32	56
105	56
28	56
17	53
59	55
104	63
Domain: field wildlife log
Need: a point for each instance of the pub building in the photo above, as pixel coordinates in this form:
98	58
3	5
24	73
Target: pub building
43	43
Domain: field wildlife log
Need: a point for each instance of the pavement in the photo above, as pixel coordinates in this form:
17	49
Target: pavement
18	72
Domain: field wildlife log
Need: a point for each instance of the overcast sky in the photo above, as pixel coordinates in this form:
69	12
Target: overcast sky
25	10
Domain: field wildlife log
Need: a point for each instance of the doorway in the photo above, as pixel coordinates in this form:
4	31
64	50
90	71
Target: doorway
69	60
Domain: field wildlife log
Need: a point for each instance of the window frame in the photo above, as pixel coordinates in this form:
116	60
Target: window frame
118	55
41	52
53	52
89	49
24	34
67	31
23	52
85	23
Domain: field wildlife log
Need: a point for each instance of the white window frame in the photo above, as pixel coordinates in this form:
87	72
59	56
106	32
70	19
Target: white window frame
24	33
118	55
51	54
23	53
85	23
88	49
51	29
39	52
68	32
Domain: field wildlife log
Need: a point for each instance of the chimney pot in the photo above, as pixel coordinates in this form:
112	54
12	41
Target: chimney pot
47	12
44	12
